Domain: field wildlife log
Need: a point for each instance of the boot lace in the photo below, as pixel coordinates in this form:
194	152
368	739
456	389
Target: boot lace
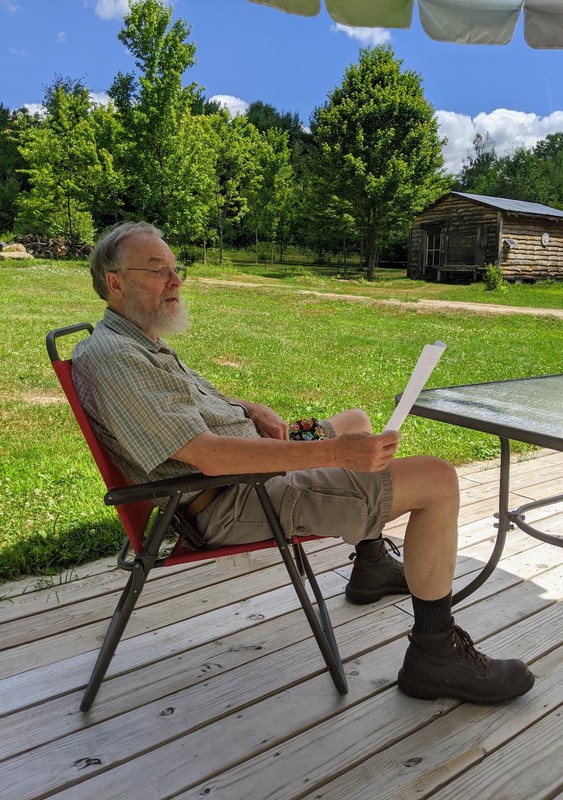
465	647
390	546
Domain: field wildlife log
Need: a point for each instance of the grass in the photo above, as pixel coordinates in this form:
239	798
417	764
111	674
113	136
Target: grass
302	354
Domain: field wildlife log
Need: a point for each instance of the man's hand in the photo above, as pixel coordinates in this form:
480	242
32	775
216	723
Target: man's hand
267	422
364	452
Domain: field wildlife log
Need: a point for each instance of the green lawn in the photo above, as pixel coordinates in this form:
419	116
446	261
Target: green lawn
302	354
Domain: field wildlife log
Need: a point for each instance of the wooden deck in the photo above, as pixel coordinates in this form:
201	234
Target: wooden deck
218	690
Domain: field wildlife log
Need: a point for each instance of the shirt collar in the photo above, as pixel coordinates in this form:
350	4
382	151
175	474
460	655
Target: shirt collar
123	326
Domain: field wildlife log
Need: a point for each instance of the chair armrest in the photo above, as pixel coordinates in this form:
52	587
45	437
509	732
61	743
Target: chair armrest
195	482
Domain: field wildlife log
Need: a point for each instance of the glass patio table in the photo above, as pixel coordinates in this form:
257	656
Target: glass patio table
526	410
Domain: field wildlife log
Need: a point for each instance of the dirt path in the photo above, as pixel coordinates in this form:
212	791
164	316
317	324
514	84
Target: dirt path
420	305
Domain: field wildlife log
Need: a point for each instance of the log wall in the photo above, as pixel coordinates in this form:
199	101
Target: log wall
529	260
473	235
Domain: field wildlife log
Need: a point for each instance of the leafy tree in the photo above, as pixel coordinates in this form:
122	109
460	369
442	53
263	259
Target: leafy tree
237	171
325	220
265	117
203	107
378	148
61	163
153	106
12	180
480	170
532	174
107	191
271	195
549	152
191	205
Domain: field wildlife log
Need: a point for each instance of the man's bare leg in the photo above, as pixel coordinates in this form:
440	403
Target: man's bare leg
353	420
427	488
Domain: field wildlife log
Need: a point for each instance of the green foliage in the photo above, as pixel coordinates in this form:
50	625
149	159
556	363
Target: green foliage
162	152
53	515
62	166
152	107
493	279
378	148
188	254
533	174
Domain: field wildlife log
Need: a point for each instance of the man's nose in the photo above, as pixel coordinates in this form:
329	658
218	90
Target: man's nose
174	279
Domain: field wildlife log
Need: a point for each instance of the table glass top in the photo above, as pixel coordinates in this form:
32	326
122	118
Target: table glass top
530	409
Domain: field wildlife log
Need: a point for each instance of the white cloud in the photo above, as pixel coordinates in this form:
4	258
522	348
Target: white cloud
367	36
100	98
10	7
507	128
111	9
234	105
35	108
15	52
61	37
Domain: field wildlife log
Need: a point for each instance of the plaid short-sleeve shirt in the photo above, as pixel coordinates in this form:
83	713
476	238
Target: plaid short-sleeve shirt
144	403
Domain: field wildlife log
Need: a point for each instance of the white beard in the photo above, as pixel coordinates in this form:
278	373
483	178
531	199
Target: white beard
164	319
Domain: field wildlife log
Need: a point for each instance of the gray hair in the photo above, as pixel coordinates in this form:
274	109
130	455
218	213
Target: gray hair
107	255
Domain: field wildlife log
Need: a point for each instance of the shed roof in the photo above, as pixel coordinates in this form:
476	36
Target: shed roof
514	206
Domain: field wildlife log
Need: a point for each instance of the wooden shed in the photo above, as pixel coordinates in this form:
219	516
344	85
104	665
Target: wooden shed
457	236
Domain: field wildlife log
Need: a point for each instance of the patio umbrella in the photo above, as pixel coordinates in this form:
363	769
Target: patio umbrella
464	21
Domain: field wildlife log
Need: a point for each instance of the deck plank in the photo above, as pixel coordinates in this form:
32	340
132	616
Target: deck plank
218	690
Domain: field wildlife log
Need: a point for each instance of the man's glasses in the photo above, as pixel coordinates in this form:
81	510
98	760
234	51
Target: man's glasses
163	273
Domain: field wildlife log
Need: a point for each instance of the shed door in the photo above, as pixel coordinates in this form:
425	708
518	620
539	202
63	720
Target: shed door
434	245
481	246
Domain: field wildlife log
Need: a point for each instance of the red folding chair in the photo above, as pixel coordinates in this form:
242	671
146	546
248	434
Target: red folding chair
145	533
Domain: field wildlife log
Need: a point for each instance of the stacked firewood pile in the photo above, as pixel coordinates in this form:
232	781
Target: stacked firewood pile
53	248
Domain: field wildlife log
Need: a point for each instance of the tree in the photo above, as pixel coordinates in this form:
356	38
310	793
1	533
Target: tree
61	162
378	148
265	117
191	205
271	194
153	106
549	152
107	185
10	163
237	144
325	222
480	170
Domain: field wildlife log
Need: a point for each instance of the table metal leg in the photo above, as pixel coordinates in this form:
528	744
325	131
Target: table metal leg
503	525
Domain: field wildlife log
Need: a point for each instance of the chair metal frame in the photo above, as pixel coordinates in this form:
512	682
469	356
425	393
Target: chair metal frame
145	533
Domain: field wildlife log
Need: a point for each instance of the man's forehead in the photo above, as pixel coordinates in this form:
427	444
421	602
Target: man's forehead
151	248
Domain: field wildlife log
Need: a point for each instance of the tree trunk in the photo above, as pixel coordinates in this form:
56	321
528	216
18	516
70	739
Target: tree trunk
221	241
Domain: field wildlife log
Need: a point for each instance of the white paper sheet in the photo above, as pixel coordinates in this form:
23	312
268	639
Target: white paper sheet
431	354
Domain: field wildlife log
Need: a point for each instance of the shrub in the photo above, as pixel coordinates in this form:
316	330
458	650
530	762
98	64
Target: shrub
493	279
189	254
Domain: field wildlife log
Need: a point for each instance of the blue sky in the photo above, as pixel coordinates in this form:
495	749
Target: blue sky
248	52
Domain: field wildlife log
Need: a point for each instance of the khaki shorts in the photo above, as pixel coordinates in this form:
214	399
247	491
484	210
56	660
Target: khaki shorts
314	502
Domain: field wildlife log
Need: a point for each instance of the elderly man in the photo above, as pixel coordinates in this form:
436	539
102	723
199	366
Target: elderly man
159	419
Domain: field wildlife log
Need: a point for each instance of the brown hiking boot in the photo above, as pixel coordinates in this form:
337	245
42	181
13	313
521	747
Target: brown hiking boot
448	665
375	572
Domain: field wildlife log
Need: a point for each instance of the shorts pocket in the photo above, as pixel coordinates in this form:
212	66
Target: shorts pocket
320	511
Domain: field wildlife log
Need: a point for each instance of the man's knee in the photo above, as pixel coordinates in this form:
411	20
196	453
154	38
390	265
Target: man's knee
353	420
421	481
444	472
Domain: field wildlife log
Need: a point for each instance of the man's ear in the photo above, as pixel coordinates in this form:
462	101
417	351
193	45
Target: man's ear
114	282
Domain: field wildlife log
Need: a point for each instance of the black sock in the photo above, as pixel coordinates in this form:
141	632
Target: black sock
432	616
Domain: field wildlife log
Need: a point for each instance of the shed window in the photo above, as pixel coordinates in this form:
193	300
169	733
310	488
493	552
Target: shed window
433	249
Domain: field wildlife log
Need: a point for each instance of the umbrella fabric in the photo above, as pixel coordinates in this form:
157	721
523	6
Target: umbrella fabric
464	21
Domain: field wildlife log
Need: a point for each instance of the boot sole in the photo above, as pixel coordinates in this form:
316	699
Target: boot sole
362	598
429	692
